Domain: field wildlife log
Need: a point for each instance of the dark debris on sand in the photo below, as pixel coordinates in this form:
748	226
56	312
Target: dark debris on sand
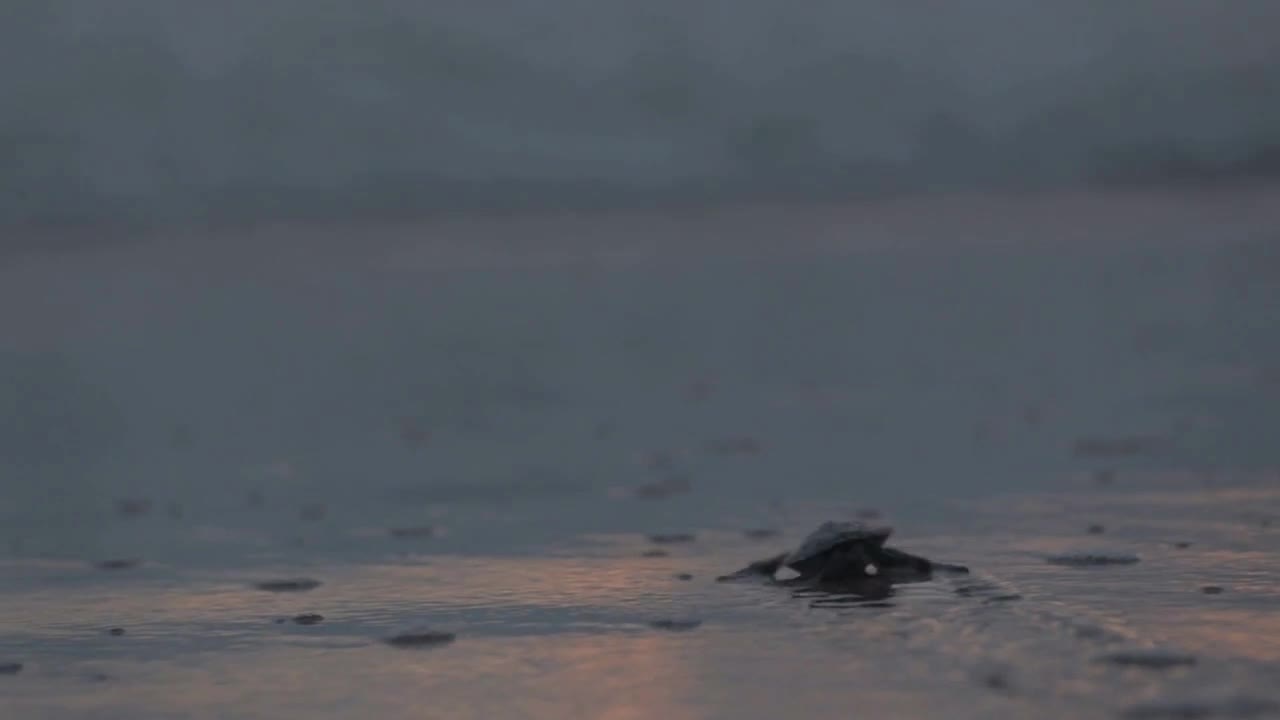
700	390
133	507
10	668
997	679
1148	659
1212	589
674	624
421	639
116	631
856	602
735	445
289	585
1091	559
308	619
663	488
672	538
414	434
118	564
660	461
1114	447
417	531
1238	708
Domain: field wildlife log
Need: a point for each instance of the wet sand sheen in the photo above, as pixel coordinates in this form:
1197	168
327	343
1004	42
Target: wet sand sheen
586	635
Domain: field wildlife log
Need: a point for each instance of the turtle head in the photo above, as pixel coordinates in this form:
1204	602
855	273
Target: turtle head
851	562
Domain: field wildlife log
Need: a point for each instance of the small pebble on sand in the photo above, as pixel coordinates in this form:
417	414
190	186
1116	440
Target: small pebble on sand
418	531
118	564
421	639
1092	559
289	585
1148	659
663	488
133	507
672	538
674	624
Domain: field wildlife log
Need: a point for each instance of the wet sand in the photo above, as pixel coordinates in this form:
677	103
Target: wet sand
382	447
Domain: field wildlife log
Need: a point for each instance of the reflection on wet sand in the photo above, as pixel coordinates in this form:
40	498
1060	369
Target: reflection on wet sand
1240	633
1216	596
564	590
681	676
570	635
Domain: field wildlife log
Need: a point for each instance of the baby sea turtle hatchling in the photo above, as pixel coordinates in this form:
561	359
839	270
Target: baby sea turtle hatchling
846	554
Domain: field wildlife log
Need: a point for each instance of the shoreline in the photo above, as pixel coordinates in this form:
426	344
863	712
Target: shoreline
737	227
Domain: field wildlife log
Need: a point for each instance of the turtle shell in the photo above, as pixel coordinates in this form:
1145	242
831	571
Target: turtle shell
831	535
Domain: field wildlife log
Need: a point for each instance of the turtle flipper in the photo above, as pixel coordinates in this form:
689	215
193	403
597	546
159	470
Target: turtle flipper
905	567
760	568
894	560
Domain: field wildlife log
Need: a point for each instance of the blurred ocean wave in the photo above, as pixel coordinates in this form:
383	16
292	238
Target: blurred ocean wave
152	110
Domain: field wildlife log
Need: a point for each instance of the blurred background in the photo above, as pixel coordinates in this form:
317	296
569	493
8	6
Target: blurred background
294	235
285	234
143	110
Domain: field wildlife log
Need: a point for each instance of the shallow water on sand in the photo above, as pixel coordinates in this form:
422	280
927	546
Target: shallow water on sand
486	452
